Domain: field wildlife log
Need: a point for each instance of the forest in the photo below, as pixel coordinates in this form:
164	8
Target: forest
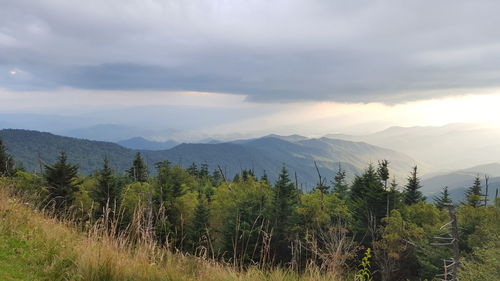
370	228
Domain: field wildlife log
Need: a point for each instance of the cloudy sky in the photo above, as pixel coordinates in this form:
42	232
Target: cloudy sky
222	67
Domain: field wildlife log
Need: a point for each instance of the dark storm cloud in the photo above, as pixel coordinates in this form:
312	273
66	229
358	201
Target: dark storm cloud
388	51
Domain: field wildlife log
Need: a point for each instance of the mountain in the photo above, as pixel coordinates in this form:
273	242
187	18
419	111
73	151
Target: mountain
141	143
458	181
445	148
263	154
107	132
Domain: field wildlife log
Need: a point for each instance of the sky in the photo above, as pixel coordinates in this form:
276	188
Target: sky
220	68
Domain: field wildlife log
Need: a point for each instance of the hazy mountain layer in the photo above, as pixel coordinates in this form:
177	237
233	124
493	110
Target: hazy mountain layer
144	144
445	148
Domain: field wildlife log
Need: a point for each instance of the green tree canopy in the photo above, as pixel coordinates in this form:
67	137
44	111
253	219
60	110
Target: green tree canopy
412	193
139	171
62	182
6	162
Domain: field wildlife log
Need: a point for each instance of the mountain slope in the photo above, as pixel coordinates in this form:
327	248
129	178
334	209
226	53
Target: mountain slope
264	154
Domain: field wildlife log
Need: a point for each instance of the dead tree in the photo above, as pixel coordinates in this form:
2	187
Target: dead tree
451	265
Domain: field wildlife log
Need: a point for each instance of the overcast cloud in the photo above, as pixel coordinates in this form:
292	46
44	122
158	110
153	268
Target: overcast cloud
347	51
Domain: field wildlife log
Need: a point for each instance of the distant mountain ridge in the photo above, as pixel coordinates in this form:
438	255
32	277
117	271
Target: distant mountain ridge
450	147
267	154
458	181
141	143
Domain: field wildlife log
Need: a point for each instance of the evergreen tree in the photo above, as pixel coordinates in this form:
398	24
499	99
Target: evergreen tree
443	198
139	171
247	175
6	162
284	204
193	170
62	184
264	178
204	171
412	193
473	193
383	171
340	186
200	227
368	200
106	191
216	178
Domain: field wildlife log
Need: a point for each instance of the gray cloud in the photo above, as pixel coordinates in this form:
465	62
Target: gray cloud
387	51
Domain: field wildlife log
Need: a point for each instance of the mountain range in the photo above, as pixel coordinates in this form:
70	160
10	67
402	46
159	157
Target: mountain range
269	154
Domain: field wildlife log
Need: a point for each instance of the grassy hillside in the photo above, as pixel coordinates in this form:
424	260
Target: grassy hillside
35	246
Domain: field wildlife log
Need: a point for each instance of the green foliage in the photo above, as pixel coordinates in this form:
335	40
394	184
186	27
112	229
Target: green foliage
138	172
340	187
319	211
443	199
62	182
383	171
364	273
412	193
393	247
106	191
241	211
136	196
473	194
6	162
368	200
286	199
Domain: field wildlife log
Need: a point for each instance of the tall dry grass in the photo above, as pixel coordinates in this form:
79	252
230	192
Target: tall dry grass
100	254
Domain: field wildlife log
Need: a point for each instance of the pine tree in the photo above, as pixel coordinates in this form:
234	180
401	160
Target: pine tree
264	178
383	171
106	191
139	171
284	204
200	227
340	186
6	162
61	179
204	170
473	193
412	193
193	170
443	198
368	200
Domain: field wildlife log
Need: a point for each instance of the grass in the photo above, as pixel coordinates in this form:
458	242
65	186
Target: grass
35	246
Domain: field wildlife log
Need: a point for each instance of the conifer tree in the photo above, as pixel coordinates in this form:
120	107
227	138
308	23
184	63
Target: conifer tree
106	191
443	198
200	227
412	194
62	184
216	178
368	200
473	193
340	186
383	171
264	178
139	171
6	162
204	170
284	203
193	170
